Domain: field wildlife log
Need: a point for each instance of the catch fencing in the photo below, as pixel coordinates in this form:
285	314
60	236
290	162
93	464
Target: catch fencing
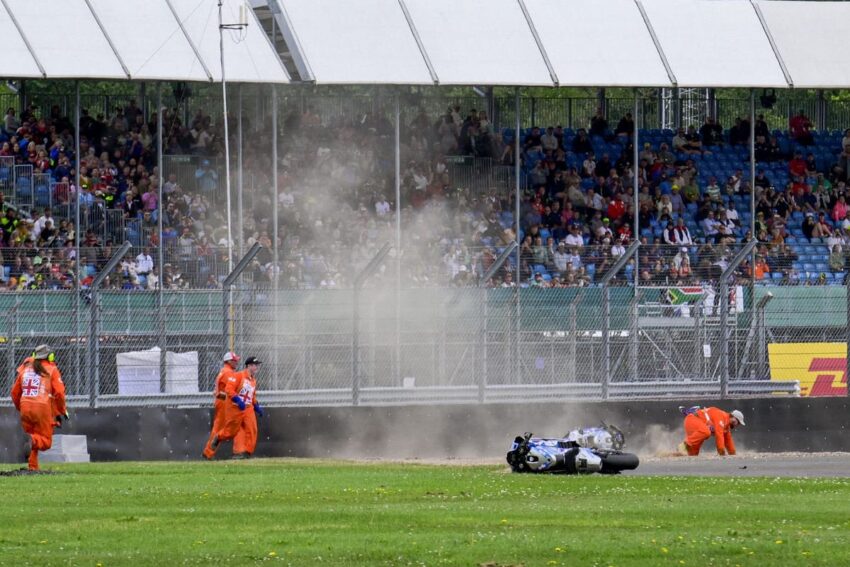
484	342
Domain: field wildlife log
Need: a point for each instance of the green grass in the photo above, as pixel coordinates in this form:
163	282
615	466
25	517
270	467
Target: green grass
303	512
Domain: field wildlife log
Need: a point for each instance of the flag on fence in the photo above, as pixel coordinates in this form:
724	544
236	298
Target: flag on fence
681	295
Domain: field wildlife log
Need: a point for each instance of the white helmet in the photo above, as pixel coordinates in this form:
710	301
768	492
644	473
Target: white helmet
739	416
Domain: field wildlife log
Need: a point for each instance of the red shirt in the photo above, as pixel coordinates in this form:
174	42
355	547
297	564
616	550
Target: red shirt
616	209
797	166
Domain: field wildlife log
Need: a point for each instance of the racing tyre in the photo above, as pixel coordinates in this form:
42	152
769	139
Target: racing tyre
613	463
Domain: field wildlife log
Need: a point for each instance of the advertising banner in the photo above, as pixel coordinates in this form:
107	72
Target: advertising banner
821	368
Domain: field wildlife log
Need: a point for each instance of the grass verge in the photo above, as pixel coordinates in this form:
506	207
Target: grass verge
306	512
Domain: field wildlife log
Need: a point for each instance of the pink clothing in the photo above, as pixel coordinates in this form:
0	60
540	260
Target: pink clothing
839	211
149	200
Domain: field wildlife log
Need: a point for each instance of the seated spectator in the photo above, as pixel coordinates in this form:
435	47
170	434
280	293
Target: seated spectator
581	143
599	124
800	129
822	229
739	133
680	143
836	259
709	228
711	132
626	126
549	141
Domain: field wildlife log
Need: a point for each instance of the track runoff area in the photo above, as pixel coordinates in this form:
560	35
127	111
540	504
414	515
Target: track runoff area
751	509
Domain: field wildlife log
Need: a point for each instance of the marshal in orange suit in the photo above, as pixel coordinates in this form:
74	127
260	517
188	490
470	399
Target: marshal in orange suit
225	375
701	423
240	412
39	395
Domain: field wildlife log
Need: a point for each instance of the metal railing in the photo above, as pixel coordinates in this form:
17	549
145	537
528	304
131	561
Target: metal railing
384	345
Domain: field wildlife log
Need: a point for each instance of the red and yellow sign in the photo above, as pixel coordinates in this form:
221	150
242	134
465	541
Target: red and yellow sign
821	368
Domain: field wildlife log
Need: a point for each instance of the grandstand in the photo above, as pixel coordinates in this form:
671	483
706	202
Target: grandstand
536	193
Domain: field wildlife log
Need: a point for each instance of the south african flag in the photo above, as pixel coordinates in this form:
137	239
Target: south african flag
681	295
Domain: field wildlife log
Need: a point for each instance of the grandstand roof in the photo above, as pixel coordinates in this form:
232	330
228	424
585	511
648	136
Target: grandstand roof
689	43
811	41
627	57
132	39
507	55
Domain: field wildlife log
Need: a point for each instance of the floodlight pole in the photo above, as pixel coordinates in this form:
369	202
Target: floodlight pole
160	252
77	313
635	185
221	27
753	235
518	210
240	186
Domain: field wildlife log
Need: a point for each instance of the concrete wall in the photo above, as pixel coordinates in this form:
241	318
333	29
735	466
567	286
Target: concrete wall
438	431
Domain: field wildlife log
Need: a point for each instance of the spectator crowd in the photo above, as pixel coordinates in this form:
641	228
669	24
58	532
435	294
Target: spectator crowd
337	204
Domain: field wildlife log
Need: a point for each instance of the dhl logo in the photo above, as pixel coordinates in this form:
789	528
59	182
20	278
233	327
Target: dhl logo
821	368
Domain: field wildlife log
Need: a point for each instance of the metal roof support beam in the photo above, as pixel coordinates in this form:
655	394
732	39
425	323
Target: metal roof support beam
290	36
657	43
773	46
108	39
539	43
419	44
191	43
24	37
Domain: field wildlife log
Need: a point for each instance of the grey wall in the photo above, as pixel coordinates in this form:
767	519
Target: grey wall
437	431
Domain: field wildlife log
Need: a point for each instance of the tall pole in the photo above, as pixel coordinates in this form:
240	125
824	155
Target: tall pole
517	173
226	142
275	251
77	230
397	143
240	188
635	186
517	187
753	234
160	160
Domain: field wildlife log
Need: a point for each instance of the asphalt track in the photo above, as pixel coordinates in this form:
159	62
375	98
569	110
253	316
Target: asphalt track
752	464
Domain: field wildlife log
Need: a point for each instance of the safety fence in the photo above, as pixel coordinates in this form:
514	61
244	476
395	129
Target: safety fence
439	345
376	343
658	108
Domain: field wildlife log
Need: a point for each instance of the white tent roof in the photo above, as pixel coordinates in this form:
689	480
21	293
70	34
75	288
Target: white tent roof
720	43
149	49
249	56
811	38
479	42
347	41
132	39
66	39
18	60
624	55
691	43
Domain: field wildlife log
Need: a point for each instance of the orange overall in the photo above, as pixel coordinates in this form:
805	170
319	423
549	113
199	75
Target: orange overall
39	398
226	374
704	423
238	422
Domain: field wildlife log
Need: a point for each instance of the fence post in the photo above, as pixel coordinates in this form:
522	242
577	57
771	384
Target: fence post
491	271
359	280
94	326
635	343
847	337
606	344
612	272
724	314
12	331
762	336
226	294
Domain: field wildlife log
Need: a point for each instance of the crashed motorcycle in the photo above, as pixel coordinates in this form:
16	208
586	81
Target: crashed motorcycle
581	451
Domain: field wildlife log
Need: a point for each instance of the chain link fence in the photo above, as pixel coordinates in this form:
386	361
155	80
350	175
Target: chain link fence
377	343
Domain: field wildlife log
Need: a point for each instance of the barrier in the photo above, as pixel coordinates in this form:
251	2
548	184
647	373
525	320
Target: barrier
463	430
